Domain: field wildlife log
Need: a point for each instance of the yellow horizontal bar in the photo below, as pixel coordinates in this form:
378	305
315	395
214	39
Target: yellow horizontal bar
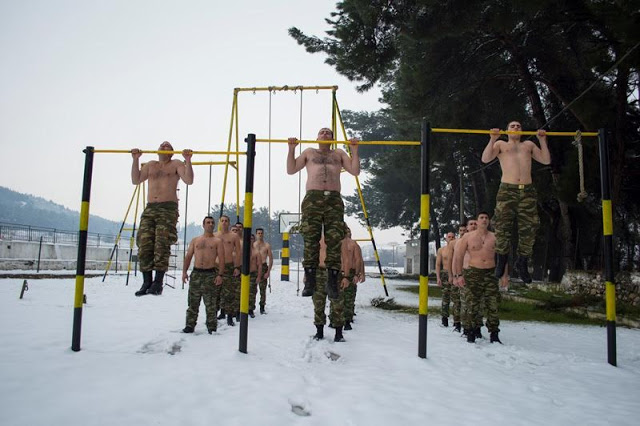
128	151
212	163
342	142
283	88
362	239
505	132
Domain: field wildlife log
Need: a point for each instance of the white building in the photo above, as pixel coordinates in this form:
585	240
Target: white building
412	257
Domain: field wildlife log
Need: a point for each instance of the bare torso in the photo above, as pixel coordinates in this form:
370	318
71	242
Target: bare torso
255	260
447	255
231	243
163	180
467	256
323	169
206	249
515	161
264	250
349	260
481	247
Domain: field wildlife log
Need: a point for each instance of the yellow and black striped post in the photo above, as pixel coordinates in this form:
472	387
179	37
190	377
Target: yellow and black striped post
82	249
284	272
424	241
607	231
246	243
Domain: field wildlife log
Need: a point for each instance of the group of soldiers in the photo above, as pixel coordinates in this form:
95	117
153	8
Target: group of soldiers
468	268
215	278
465	271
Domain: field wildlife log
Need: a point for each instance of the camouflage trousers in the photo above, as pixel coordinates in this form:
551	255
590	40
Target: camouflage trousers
156	234
450	296
253	290
482	287
322	209
263	286
465	311
336	311
515	204
230	293
349	297
203	287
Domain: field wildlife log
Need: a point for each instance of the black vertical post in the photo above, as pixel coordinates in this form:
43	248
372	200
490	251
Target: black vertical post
186	213
246	243
424	240
284	272
82	249
607	231
39	253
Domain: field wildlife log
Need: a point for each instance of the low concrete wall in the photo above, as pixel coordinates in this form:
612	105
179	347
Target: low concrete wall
23	255
592	283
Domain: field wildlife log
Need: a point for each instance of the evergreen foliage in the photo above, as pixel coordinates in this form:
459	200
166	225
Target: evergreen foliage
558	65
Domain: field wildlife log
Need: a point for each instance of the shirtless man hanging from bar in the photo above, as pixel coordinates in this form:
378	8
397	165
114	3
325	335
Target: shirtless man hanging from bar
322	206
516	199
157	230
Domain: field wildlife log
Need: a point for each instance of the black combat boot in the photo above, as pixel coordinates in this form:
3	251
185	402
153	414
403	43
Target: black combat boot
222	314
188	329
445	321
501	264
522	266
494	337
332	283
347	325
338	337
251	314
457	327
262	311
319	332
465	332
156	287
477	333
230	320
147	278
471	337
309	282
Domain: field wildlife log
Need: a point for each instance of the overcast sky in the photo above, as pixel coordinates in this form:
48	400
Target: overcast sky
121	74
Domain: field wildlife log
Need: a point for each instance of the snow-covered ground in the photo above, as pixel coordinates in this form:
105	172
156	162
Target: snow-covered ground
137	368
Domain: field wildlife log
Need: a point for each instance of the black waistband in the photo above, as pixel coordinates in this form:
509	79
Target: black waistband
204	270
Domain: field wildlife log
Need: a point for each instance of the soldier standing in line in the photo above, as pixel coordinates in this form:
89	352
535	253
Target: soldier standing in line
322	207
516	199
456	298
231	275
352	258
264	250
255	275
336	308
443	260
206	281
480	277
472	225
157	230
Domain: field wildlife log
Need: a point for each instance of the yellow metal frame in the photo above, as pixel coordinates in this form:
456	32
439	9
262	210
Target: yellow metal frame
335	118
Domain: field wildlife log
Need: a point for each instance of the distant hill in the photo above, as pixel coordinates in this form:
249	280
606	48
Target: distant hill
25	209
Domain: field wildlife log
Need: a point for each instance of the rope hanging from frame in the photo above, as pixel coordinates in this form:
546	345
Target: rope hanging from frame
582	195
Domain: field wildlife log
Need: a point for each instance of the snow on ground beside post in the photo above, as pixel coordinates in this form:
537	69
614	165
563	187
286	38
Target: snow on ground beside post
136	367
